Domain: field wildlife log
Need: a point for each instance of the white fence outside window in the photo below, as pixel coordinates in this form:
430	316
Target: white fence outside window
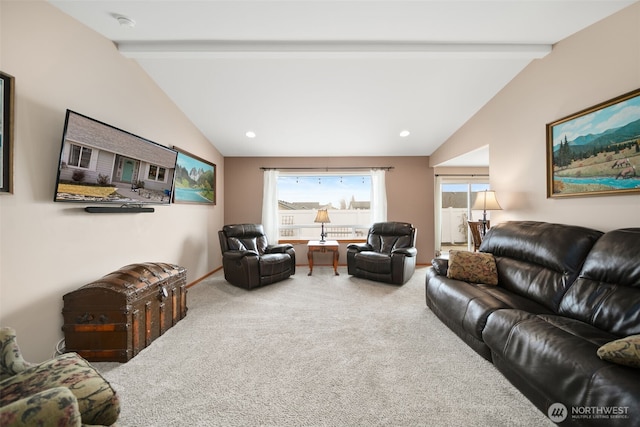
355	223
345	224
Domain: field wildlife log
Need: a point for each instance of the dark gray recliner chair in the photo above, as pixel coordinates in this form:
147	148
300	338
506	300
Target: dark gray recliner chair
389	255
249	261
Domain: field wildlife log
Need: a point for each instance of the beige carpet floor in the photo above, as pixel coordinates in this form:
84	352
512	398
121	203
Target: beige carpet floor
323	350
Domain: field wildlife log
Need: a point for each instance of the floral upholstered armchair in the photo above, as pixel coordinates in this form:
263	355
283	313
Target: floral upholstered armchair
64	391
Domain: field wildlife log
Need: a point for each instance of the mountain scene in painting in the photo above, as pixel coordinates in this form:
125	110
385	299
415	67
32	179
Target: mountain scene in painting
586	160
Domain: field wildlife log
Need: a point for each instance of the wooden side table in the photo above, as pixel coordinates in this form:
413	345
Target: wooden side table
327	246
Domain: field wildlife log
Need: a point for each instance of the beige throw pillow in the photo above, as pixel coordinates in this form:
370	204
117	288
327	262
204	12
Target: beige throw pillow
625	351
476	267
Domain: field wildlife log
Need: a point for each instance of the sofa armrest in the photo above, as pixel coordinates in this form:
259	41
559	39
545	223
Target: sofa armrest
359	247
405	251
440	265
238	255
279	249
97	400
53	407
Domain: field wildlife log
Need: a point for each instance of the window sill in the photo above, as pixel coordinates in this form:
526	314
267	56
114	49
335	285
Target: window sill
305	241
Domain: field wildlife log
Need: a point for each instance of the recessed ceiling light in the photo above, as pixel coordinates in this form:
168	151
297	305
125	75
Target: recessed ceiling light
125	22
405	133
250	134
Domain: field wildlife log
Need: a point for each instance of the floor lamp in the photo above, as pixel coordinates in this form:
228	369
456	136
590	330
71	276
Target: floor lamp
486	201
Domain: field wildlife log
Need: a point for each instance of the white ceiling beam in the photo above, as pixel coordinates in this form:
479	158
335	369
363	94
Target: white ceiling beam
215	48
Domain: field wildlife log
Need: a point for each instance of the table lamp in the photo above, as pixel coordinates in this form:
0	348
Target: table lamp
322	217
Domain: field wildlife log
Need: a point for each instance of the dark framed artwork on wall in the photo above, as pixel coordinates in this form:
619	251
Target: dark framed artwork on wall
596	151
195	180
6	132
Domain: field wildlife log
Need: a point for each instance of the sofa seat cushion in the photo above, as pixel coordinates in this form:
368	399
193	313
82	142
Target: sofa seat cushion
469	304
275	263
97	401
373	262
552	359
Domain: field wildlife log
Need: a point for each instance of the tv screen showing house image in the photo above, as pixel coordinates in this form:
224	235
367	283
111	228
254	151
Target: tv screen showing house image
100	163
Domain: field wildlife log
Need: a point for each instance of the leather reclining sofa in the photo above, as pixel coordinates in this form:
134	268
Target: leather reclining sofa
562	292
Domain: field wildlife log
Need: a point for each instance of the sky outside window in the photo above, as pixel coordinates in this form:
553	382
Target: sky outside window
324	189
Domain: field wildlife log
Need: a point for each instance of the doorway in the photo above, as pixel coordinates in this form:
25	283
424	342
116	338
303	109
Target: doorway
127	170
454	197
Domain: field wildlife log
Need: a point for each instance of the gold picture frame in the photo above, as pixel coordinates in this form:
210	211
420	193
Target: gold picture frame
596	151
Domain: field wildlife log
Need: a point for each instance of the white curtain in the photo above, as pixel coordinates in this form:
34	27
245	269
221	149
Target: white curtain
270	206
378	196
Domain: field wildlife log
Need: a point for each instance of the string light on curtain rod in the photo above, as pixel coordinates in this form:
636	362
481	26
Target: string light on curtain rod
328	169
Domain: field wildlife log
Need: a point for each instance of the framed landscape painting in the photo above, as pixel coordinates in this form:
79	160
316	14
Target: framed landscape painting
596	151
195	179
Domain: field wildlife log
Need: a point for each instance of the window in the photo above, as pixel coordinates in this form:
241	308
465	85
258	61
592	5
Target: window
79	156
347	198
156	173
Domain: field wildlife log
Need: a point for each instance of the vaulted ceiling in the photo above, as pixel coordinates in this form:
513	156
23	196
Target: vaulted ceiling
334	77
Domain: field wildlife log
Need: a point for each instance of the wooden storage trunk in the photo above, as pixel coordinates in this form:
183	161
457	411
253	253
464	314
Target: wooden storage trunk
115	317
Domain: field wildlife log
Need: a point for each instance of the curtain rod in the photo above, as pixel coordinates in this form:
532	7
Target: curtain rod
462	174
327	169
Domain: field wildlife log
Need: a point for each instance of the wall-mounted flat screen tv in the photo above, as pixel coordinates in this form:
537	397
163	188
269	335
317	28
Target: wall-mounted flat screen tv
100	163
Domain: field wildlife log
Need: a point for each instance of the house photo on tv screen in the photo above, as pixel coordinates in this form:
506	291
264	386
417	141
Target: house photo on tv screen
100	163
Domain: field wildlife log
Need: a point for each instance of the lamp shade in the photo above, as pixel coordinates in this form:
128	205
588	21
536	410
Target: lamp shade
486	201
322	216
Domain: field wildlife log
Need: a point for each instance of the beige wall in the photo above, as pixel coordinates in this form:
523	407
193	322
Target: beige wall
592	66
409	192
48	249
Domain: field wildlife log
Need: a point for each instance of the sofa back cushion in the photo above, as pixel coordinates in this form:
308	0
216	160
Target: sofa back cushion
244	237
539	260
387	236
607	291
